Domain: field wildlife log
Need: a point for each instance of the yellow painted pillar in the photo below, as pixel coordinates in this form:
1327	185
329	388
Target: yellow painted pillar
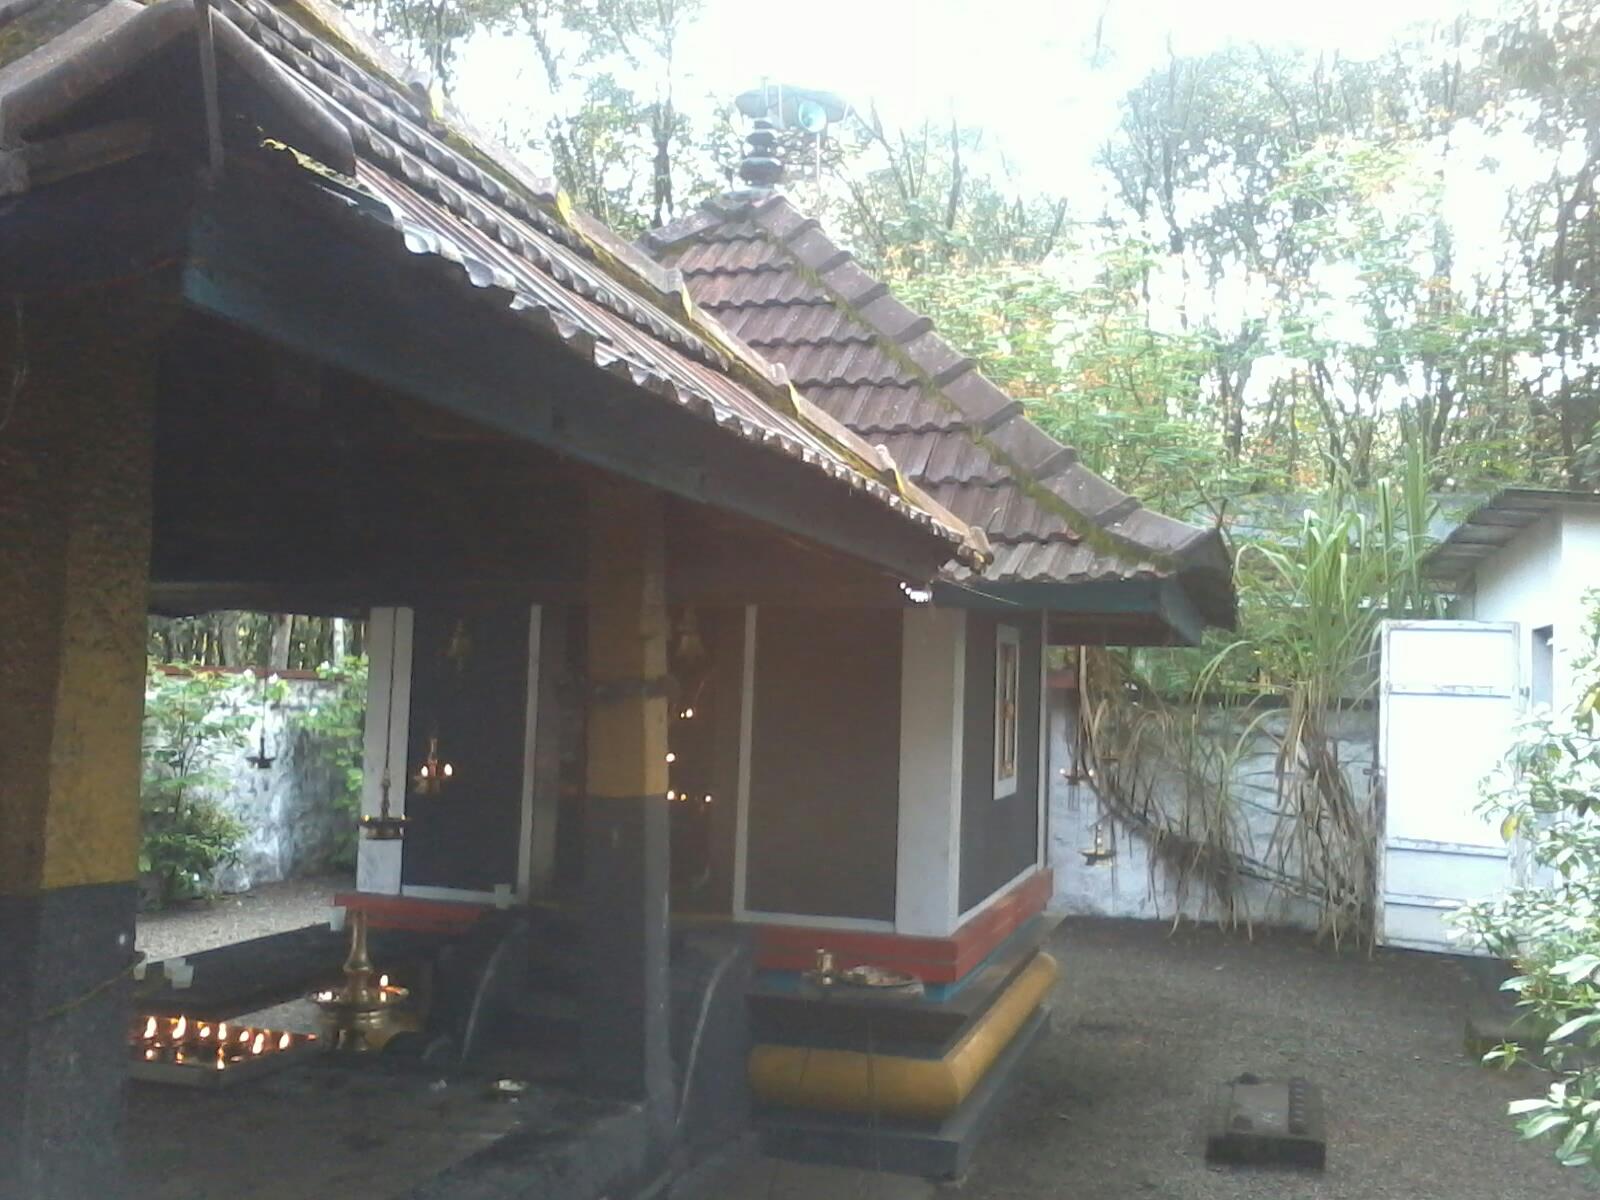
77	386
626	853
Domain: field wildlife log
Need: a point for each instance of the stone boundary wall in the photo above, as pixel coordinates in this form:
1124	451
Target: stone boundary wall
1130	883
289	808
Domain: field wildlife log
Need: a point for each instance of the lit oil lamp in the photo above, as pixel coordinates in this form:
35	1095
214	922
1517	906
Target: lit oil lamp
363	1014
434	772
171	1049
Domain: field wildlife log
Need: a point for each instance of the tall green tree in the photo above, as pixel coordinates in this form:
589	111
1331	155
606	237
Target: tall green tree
602	112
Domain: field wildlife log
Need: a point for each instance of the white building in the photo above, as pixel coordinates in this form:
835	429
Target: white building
1528	556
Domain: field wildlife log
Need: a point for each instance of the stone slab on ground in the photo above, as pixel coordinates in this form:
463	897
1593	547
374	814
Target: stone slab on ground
1267	1122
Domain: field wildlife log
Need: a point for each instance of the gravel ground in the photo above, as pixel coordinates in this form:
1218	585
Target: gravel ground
1111	1105
270	908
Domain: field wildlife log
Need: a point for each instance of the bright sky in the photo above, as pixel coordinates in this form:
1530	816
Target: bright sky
1024	69
1043	78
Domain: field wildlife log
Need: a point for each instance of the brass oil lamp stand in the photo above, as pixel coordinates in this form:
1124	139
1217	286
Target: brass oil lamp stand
362	1014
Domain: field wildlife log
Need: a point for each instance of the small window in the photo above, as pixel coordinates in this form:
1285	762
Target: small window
1542	685
1007	708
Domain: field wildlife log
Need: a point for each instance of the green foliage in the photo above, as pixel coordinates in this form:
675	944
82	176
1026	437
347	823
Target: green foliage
1548	798
1089	367
600	112
335	722
1312	603
182	848
232	638
191	719
914	199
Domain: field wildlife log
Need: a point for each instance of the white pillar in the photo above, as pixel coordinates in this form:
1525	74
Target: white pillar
932	697
384	745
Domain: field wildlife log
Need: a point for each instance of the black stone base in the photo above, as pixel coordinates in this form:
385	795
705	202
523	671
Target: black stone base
64	1012
935	1151
626	1031
1264	1122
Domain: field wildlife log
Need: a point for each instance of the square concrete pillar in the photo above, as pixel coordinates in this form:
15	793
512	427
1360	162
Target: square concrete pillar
932	719
77	384
626	857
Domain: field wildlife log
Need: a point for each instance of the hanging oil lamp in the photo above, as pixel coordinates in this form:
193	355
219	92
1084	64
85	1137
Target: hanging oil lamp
383	826
1099	852
261	760
434	772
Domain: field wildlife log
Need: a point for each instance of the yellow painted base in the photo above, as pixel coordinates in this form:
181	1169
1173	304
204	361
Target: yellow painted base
924	1089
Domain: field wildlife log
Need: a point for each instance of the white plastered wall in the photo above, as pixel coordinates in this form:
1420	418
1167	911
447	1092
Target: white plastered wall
1540	578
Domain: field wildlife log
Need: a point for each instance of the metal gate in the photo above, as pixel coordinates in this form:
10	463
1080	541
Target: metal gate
1450	698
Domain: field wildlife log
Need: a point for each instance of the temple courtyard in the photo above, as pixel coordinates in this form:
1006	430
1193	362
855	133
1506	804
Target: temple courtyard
1145	1024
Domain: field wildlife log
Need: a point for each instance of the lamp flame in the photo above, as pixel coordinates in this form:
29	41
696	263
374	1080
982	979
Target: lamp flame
259	1043
283	1042
180	1027
149	1028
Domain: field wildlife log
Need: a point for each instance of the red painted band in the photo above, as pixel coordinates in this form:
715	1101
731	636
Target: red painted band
933	960
411	912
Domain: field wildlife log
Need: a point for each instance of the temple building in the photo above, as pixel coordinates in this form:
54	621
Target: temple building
709	598
923	849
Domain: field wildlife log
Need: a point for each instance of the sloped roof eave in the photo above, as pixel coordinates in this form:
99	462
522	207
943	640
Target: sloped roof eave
513	236
1058	522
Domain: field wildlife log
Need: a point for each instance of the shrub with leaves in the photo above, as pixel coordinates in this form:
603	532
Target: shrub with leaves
190	721
1548	797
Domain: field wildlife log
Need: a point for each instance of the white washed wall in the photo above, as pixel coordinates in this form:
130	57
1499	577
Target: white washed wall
1539	578
1129	884
287	809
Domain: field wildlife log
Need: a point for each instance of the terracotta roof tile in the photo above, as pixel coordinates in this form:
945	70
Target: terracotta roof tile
816	251
945	424
872	409
793	324
735	254
753	287
831	363
482	223
893	319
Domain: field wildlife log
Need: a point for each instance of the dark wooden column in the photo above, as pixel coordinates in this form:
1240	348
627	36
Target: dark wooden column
76	400
626	858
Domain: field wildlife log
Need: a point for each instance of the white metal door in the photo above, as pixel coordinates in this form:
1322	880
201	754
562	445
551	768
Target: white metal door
1450	699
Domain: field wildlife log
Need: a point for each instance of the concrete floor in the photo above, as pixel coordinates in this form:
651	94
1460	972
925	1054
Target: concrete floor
319	1130
1146	1024
269	908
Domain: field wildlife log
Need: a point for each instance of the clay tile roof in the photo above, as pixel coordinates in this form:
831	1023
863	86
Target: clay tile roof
380	153
776	279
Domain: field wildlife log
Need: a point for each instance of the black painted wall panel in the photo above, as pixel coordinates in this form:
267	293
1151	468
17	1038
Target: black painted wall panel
999	837
466	837
825	763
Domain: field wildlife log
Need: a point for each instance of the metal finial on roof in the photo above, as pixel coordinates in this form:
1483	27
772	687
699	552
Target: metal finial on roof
761	167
